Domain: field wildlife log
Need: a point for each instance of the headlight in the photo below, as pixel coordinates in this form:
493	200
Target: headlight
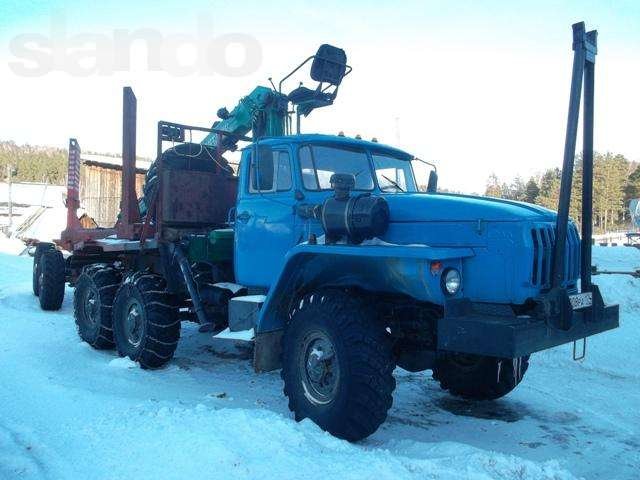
451	281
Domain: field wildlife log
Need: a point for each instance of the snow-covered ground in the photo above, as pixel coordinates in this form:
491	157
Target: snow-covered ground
68	412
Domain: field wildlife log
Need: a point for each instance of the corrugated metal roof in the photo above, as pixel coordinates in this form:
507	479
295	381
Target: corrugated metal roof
95	159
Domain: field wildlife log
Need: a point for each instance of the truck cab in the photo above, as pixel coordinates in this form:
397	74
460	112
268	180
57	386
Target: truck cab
506	243
291	174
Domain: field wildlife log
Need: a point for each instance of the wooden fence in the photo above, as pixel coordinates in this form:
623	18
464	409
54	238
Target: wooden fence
100	193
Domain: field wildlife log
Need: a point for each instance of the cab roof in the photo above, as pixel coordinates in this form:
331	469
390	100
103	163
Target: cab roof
337	140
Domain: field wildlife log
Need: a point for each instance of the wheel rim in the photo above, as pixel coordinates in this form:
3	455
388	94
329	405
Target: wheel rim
40	280
320	368
91	307
134	324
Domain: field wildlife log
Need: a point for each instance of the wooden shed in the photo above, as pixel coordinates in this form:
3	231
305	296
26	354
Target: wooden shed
100	186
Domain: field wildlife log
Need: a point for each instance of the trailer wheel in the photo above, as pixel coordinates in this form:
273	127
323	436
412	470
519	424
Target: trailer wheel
478	377
51	279
92	302
338	365
41	247
146	326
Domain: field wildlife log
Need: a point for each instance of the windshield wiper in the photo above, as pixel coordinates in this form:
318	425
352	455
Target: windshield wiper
394	184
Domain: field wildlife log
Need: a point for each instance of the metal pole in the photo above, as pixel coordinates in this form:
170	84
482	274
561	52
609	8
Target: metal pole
587	167
569	153
130	214
159	141
73	184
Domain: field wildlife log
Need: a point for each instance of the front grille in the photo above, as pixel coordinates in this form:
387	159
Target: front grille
544	239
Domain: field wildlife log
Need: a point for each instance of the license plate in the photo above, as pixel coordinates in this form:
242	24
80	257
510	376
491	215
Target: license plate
581	300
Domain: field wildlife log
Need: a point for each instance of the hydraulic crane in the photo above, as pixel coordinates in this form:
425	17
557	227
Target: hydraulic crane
266	112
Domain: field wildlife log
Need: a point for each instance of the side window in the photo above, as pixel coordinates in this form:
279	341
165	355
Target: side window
272	171
284	181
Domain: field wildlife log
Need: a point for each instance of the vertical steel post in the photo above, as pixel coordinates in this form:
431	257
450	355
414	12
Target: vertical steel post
569	153
587	158
159	142
73	185
130	214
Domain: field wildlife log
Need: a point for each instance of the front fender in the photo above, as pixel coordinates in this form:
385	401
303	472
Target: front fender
395	269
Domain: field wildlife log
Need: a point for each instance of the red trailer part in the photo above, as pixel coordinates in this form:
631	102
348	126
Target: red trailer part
186	199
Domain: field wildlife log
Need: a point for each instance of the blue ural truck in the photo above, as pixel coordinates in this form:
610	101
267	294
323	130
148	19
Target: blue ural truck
339	253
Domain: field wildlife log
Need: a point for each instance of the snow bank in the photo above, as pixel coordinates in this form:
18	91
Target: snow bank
33	194
616	258
68	412
611	352
11	246
47	226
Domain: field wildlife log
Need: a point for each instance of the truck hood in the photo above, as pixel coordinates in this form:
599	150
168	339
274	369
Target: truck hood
441	207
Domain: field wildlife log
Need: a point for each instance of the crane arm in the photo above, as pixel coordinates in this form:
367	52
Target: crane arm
263	112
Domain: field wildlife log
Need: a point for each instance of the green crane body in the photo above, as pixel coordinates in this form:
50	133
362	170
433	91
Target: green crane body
263	112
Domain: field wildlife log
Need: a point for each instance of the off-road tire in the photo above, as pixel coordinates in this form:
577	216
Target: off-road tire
159	331
51	279
478	377
41	247
365	381
101	282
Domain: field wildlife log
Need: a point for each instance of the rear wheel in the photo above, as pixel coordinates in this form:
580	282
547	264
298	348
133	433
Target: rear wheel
41	247
92	303
146	326
338	365
478	377
51	279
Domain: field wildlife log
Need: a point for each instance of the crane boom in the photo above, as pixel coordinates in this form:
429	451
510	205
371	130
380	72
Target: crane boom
263	112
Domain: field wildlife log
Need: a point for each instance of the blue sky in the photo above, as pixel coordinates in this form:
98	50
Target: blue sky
460	19
476	86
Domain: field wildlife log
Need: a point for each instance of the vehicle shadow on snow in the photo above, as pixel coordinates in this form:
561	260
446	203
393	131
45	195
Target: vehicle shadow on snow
222	358
504	411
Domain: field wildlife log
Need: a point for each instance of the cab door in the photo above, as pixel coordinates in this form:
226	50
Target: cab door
264	223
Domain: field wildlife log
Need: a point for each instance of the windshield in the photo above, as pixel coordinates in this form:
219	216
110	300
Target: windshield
319	162
393	174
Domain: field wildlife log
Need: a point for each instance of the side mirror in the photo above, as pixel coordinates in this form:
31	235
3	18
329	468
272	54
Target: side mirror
432	185
329	65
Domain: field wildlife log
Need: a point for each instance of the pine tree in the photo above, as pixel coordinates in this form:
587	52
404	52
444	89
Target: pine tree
632	186
531	191
550	188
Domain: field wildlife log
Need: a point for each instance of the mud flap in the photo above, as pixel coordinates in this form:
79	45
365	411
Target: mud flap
267	353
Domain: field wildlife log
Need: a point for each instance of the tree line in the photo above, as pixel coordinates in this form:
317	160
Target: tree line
34	163
616	180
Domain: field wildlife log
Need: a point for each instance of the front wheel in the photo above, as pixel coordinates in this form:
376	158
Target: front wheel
478	377
146	327
338	365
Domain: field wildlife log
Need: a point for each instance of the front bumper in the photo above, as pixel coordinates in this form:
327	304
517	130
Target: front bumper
494	330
